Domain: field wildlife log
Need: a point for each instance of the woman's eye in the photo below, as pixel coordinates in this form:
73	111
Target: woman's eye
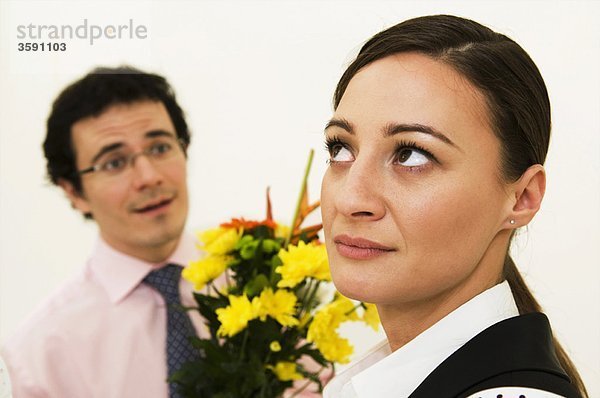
339	153
411	157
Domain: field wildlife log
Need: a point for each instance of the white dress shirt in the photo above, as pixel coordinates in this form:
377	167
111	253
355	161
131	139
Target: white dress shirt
376	375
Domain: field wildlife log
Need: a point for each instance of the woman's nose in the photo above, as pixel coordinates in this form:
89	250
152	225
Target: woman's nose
360	195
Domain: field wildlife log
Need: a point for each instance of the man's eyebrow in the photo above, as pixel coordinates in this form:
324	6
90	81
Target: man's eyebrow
117	145
159	133
106	149
395	128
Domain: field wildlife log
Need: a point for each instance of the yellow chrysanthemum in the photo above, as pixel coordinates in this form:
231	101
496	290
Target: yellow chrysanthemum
323	329
220	240
280	306
304	320
282	231
322	324
335	348
275	346
236	316
285	371
202	271
343	308
303	261
371	316
322	332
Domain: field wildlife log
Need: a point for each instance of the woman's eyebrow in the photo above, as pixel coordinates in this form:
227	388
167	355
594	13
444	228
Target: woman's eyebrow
341	123
397	128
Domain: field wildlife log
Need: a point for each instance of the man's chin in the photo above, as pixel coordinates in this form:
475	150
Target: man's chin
162	238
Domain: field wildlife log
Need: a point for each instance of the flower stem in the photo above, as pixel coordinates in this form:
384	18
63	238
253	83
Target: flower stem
244	341
307	293
300	197
305	385
310	295
227	280
357	306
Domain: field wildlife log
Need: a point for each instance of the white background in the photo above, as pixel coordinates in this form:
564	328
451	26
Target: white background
256	80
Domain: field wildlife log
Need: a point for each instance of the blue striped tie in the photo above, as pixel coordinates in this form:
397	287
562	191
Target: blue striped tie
179	327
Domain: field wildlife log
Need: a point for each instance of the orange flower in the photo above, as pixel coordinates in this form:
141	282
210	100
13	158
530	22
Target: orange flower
248	224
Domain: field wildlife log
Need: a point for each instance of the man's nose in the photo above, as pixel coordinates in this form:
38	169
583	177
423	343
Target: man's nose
145	172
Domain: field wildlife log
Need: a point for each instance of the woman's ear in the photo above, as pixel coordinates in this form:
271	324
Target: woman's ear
76	198
528	192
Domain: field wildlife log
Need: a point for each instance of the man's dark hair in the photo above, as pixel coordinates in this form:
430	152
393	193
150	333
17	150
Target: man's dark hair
90	96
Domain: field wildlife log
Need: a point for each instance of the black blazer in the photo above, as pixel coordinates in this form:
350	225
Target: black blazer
516	352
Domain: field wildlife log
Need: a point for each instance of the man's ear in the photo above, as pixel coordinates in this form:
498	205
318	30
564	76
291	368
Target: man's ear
76	198
528	193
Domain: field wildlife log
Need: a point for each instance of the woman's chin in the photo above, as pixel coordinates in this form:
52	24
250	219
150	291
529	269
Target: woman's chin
355	289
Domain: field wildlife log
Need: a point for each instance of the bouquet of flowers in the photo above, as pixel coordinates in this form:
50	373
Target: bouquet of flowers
267	321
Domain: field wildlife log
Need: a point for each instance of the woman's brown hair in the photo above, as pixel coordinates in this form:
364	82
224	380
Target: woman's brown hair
517	100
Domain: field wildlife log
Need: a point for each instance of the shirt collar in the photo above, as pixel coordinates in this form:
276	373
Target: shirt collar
119	274
415	360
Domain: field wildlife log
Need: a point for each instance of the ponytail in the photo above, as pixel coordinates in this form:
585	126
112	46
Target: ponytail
526	304
516	97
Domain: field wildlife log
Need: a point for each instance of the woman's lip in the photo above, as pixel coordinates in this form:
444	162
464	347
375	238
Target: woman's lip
359	248
361	243
359	253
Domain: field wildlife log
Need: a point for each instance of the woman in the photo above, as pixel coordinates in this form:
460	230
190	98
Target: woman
440	130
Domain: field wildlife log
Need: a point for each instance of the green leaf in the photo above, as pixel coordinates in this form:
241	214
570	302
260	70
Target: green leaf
256	285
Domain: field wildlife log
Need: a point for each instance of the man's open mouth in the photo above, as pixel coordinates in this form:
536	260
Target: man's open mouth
153	206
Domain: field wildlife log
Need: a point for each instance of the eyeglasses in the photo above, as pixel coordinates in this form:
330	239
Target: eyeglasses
116	162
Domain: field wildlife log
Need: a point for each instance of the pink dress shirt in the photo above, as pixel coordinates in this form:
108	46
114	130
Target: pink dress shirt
102	334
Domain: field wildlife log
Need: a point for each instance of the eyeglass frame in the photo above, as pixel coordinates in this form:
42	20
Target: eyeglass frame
130	159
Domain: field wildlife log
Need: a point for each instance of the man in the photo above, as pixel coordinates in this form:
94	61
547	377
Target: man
116	145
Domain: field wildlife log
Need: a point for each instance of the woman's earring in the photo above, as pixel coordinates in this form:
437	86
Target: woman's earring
512	222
